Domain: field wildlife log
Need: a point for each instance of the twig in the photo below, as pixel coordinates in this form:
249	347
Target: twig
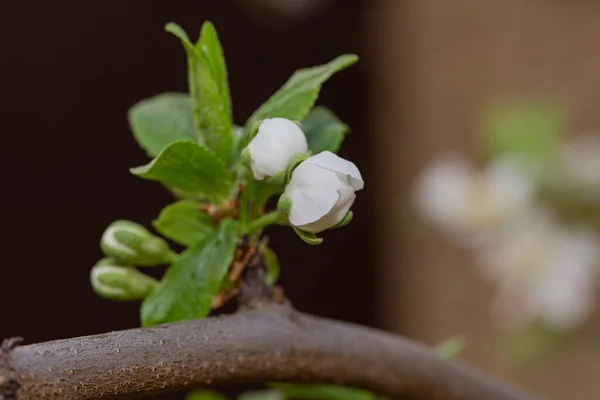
272	343
9	380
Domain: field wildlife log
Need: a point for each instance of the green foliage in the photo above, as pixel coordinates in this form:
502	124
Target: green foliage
255	197
525	130
262	395
189	286
204	395
452	347
532	344
196	150
293	391
188	166
210	47
208	90
324	131
184	223
295	99
271	263
158	121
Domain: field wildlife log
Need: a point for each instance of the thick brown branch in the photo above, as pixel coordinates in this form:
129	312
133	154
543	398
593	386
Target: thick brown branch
271	343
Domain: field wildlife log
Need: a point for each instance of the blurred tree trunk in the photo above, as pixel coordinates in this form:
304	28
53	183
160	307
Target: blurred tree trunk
438	65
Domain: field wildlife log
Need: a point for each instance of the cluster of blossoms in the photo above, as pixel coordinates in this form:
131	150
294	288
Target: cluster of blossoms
320	189
544	265
319	192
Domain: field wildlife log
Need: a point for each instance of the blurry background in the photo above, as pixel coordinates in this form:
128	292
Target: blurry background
69	71
437	65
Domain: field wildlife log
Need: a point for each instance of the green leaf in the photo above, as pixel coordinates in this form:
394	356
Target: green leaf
237	133
184	223
187	166
210	104
255	196
161	120
210	47
534	131
322	392
204	395
189	285
323	130
452	347
271	263
533	344
262	395
297	96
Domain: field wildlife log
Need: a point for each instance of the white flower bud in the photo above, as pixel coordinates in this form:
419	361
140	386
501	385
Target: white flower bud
277	142
472	204
545	272
321	191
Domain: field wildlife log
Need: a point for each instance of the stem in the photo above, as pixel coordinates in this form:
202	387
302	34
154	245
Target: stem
270	343
264	221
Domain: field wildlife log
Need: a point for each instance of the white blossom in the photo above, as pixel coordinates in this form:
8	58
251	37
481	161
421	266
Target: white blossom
276	143
322	190
580	165
293	8
544	272
470	204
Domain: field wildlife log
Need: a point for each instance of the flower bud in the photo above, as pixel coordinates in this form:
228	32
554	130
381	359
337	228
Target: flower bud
277	142
116	282
131	243
320	192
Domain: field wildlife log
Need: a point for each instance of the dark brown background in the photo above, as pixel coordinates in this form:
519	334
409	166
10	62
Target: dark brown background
69	70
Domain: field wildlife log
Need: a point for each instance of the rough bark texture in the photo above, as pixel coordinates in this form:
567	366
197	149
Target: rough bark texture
272	343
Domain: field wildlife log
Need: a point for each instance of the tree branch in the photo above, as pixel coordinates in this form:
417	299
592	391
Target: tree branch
270	343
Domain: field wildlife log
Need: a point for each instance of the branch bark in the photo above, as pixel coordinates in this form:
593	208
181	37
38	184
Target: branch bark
270	343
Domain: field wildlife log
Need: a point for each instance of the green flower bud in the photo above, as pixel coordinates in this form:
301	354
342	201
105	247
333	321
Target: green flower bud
116	282
246	158
131	243
284	204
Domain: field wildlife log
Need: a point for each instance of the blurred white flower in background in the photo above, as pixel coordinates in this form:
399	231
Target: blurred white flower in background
545	272
580	163
266	10
470	204
541	253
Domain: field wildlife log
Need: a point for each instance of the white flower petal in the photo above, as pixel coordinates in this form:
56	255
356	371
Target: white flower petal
277	141
511	185
336	214
545	272
313	191
581	160
442	192
346	169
